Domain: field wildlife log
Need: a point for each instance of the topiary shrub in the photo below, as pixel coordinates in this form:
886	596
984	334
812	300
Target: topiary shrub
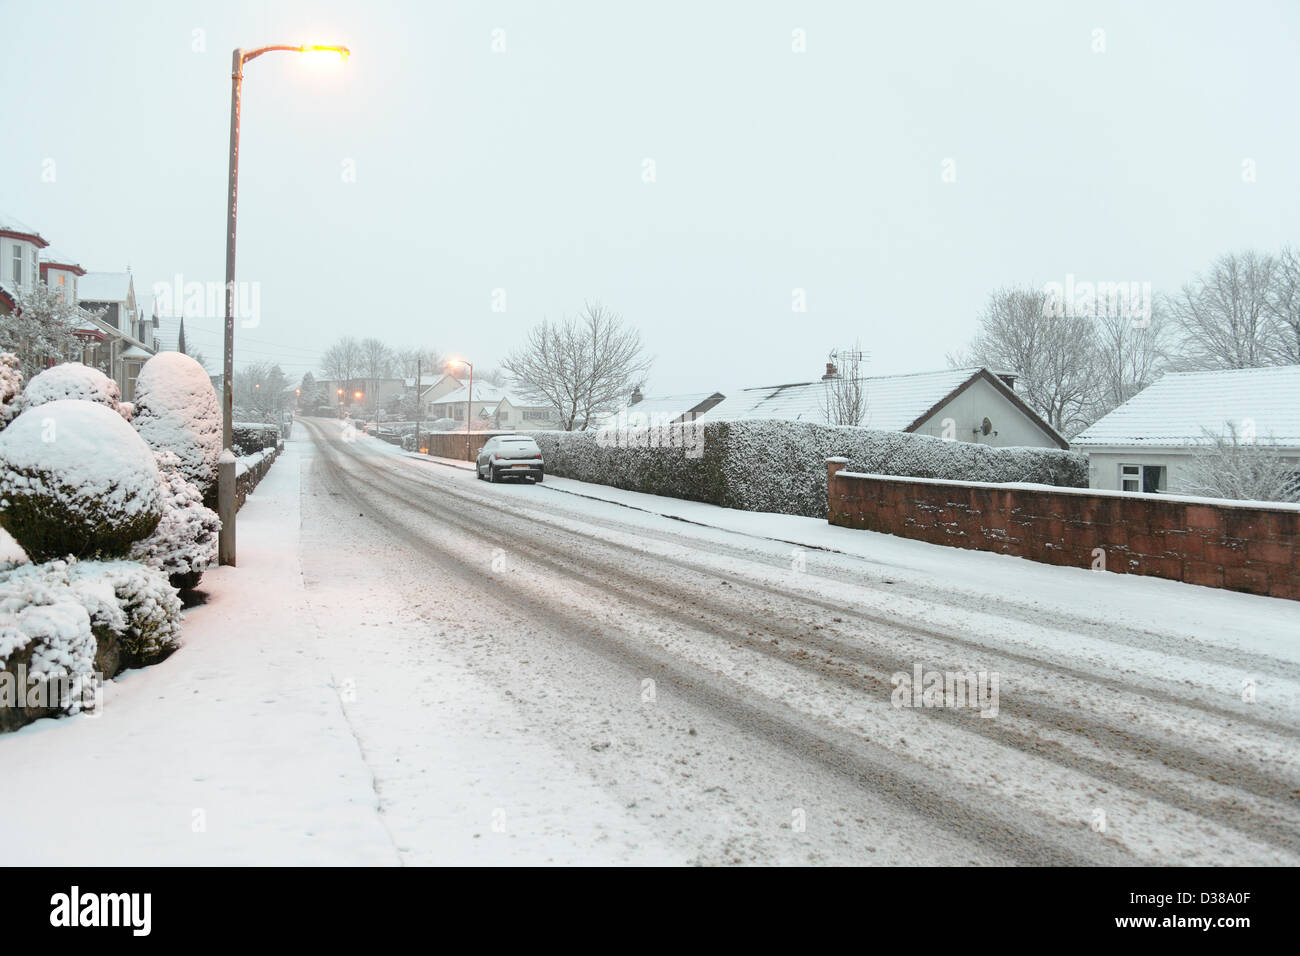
47	646
75	479
72	380
176	410
184	544
11	387
134	603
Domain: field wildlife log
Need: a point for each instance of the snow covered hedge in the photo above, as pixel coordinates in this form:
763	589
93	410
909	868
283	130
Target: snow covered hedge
66	625
75	479
780	466
250	437
184	544
176	410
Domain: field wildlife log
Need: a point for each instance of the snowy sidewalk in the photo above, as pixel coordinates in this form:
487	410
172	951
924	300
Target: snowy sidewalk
235	750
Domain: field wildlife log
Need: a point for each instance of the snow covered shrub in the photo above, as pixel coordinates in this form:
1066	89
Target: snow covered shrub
135	603
780	466
75	479
47	647
176	410
71	380
11	386
184	544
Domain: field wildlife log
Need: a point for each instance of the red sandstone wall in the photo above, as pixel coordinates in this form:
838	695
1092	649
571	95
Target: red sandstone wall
1224	546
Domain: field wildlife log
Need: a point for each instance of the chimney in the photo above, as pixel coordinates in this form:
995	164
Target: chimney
636	396
831	371
1008	379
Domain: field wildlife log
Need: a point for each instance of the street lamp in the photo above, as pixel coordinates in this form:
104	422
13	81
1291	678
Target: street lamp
226	469
469	405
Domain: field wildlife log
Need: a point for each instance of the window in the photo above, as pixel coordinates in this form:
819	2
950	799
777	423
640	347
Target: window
18	265
536	414
1145	478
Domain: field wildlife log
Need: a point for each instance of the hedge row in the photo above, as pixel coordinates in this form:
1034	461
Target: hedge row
251	437
780	466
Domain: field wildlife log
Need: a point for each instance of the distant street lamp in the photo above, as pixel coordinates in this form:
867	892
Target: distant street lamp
226	469
469	405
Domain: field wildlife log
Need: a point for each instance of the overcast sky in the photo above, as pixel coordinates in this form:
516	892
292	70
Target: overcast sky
524	169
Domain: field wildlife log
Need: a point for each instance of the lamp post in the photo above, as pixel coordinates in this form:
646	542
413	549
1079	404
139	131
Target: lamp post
226	468
469	405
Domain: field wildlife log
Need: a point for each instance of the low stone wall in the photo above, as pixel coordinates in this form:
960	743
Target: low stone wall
452	444
1247	547
249	478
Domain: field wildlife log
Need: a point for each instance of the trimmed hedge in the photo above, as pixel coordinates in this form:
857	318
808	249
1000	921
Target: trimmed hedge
780	466
248	438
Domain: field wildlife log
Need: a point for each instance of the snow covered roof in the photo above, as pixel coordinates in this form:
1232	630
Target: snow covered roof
104	287
56	260
135	351
1173	411
483	392
668	408
10	224
895	402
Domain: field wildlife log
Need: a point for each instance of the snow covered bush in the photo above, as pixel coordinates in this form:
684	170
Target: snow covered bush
134	603
780	466
47	647
176	410
184	544
11	386
75	479
71	380
1240	467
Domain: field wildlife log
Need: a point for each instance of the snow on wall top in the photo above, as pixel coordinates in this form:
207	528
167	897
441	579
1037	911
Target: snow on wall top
1173	411
893	401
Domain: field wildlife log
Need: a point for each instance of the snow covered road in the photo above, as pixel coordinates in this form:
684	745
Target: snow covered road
410	666
731	696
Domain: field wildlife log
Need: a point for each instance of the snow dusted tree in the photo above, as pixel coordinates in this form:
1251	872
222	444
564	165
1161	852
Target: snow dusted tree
261	392
1284	304
1226	314
1241	467
429	361
342	361
39	331
846	394
377	362
581	367
1055	356
1131	354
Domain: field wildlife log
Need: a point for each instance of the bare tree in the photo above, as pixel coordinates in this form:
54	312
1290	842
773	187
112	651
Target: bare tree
1241	468
1284	305
1226	314
846	393
581	367
1131	354
342	361
1055	357
428	360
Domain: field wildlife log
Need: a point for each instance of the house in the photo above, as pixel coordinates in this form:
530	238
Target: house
966	404
642	410
119	339
20	248
60	273
492	406
1148	442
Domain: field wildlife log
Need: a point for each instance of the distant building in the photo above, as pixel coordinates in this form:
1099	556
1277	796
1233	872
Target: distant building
20	248
1148	442
968	404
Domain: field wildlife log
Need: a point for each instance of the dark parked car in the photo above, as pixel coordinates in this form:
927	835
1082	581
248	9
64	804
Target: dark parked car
509	456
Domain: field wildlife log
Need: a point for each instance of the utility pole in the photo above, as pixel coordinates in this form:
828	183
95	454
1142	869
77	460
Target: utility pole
417	405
